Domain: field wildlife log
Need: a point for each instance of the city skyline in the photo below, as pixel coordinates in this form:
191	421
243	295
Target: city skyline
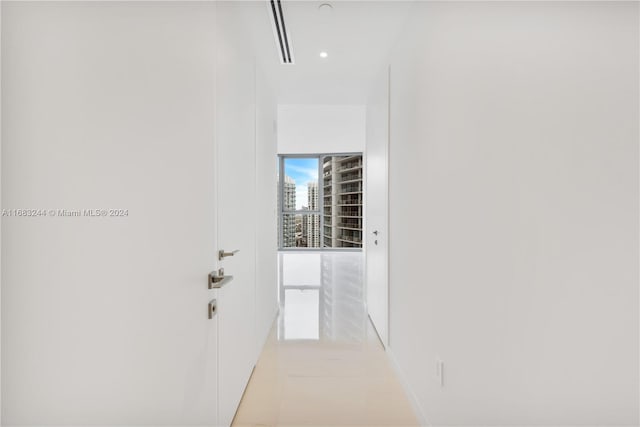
302	171
341	203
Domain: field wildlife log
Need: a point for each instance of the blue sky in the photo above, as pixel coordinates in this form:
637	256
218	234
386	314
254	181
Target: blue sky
302	171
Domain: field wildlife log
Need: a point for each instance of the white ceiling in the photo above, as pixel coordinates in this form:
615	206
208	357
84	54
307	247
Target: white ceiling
357	35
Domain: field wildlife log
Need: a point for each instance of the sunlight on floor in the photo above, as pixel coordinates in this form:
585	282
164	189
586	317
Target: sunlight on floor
323	364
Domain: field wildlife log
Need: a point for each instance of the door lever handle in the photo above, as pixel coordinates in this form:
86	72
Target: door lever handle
217	279
222	254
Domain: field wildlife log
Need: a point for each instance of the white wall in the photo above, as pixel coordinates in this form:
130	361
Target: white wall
377	209
245	110
110	106
1	205
103	317
313	129
113	105
266	215
514	212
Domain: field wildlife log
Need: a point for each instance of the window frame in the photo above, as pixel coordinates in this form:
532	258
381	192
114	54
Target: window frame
320	208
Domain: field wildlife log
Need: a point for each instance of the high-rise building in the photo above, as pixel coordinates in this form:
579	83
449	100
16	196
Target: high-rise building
342	185
312	229
288	219
338	198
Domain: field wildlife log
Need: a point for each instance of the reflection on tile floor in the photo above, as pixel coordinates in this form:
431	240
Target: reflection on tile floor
323	364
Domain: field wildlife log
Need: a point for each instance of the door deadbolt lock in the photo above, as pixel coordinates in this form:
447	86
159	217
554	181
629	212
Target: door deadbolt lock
213	307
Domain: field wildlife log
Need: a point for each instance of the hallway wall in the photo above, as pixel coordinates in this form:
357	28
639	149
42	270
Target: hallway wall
514	212
315	129
103	317
114	105
267	215
246	198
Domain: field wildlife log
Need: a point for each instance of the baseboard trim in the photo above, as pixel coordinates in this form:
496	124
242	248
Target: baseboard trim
415	404
263	340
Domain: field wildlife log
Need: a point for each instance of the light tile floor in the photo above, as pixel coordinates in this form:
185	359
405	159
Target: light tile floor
323	364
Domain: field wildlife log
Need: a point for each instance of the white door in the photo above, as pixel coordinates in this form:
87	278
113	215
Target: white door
236	213
377	242
104	317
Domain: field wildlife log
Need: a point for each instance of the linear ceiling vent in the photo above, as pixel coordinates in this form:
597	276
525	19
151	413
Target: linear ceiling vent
280	32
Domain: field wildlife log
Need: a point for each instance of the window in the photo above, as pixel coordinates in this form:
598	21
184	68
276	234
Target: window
321	213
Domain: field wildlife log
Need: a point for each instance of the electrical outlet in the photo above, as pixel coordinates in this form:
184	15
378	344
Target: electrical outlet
440	372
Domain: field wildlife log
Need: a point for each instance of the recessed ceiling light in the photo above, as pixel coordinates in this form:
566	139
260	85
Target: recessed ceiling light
323	54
